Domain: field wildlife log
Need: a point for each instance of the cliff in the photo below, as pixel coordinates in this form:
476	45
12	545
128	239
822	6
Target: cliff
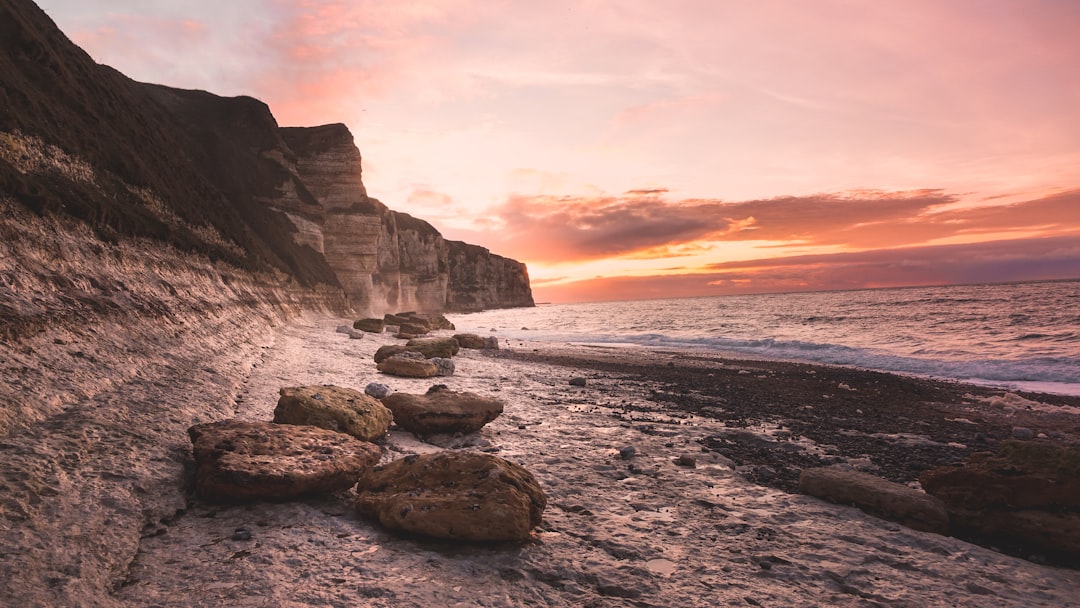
216	177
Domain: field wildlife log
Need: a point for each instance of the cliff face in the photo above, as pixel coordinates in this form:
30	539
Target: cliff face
214	176
385	260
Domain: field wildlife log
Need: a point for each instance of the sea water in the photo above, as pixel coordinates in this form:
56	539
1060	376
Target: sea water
1024	336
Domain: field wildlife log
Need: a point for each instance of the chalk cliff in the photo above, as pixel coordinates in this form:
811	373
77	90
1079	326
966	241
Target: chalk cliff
218	177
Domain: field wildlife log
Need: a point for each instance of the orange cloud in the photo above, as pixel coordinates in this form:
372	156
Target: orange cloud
995	261
563	229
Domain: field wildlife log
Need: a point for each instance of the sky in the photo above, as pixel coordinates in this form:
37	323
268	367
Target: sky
628	149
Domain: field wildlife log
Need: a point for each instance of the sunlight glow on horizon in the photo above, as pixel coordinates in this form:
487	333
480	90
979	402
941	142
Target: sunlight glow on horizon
635	139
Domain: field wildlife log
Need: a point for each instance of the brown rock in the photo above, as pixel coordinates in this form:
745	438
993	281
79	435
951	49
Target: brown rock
240	460
475	341
375	326
387	351
409	365
434	347
334	408
1025	498
876	496
412	329
442	411
437	321
454	495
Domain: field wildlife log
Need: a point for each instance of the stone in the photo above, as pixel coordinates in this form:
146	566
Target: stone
343	329
335	408
876	496
434	347
443	411
240	460
375	326
387	351
355	334
627	452
453	495
377	390
446	366
437	321
404	318
477	342
1022	433
578	381
1025	498
686	460
411	329
408	365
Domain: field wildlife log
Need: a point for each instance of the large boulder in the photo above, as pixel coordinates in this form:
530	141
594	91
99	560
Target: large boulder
453	495
475	341
1024	499
389	350
876	496
437	321
442	411
375	326
408	365
238	460
434	347
335	408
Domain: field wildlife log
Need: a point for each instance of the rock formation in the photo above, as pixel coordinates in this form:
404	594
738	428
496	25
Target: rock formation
876	496
334	408
240	460
1025	499
454	495
442	411
219	177
408	364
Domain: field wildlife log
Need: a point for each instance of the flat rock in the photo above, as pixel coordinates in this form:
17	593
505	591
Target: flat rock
378	390
477	342
453	495
442	411
434	347
876	496
375	326
409	365
334	408
1025	498
389	350
239	460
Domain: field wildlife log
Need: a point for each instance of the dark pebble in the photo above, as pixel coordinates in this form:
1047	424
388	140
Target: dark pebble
627	452
578	381
241	534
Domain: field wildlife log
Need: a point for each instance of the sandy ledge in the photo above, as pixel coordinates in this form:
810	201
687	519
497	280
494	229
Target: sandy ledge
639	532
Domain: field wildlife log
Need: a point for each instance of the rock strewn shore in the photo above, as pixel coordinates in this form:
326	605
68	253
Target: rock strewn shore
623	527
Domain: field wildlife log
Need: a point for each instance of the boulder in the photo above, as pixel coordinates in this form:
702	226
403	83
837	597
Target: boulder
434	347
238	460
446	366
478	342
876	496
405	318
443	411
377	390
375	326
411	329
335	408
409	365
387	351
453	495
437	321
1023	499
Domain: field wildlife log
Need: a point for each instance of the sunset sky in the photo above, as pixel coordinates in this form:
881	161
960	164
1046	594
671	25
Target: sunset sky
636	149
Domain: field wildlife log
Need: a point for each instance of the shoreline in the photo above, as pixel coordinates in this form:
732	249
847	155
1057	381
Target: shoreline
638	531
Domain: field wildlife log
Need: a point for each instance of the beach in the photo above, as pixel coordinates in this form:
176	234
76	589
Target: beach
637	531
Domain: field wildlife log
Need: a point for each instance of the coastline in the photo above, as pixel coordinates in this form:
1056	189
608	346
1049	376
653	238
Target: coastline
617	532
639	531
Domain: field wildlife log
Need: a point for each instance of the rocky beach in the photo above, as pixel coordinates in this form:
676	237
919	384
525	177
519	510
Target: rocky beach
667	475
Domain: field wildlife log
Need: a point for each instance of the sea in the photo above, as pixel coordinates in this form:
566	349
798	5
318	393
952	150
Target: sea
1020	336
